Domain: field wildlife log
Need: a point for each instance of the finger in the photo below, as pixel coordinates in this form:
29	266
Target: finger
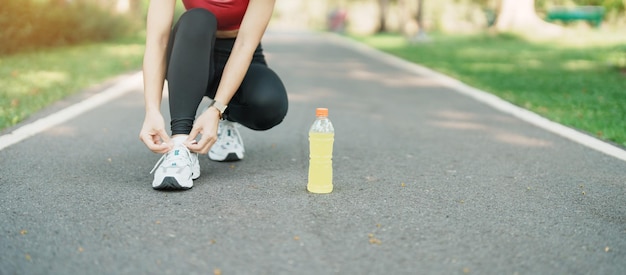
144	138
191	141
203	145
157	148
163	135
196	146
193	135
209	143
153	142
148	140
154	139
161	148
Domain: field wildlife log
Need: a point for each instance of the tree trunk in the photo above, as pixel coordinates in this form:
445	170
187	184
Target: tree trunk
420	14
136	7
383	7
520	15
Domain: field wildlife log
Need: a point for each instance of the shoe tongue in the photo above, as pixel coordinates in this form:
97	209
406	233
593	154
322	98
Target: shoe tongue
179	140
177	153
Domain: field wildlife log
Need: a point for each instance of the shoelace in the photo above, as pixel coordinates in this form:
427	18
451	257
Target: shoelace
227	135
174	157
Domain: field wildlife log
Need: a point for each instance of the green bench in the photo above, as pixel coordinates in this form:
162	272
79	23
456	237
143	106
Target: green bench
592	14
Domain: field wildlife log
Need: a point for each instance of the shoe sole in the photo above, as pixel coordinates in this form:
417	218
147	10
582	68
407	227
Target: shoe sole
170	183
230	157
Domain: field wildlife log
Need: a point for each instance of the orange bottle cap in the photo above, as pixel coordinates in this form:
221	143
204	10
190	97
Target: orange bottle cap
321	112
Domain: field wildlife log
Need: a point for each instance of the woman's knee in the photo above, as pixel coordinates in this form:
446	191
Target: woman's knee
261	121
265	99
196	22
266	89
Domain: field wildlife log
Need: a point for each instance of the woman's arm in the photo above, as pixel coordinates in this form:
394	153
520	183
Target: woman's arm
251	31
158	26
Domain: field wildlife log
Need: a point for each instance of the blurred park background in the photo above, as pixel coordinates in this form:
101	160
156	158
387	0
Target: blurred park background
563	59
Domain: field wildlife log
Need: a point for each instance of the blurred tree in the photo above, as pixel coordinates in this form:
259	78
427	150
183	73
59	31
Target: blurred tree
520	15
128	7
421	35
59	2
133	8
382	18
29	25
420	14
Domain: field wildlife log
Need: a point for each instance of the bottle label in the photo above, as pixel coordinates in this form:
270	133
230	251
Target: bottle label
320	163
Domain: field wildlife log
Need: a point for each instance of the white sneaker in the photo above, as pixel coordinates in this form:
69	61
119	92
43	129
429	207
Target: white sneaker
229	145
176	169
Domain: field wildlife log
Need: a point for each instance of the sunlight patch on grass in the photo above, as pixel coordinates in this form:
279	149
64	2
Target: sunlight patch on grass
487	67
531	63
578	65
480	53
38	80
576	38
124	50
388	41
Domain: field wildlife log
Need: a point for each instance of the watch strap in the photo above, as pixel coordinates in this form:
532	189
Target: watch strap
219	106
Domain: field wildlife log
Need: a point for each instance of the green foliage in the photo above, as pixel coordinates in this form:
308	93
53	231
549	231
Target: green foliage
33	80
581	86
39	63
609	5
30	25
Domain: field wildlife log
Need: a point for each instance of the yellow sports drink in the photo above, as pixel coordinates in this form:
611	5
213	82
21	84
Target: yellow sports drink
321	138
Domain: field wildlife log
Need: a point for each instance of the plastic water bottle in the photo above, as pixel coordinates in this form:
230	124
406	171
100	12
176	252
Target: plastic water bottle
321	138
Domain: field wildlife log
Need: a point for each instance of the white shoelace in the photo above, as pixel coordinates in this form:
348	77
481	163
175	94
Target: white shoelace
180	156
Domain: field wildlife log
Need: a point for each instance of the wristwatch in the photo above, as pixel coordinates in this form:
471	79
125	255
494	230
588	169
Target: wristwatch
219	106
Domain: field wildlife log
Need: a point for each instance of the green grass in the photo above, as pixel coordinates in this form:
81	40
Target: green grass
32	81
581	85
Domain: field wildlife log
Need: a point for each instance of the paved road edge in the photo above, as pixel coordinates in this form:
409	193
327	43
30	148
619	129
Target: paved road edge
486	98
134	81
120	88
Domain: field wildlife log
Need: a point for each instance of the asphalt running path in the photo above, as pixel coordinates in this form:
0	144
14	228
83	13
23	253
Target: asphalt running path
427	180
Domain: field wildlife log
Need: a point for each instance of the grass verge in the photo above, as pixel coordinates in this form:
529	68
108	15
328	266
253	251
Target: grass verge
32	81
581	84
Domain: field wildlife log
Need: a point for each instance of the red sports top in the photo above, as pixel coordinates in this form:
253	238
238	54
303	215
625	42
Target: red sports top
229	13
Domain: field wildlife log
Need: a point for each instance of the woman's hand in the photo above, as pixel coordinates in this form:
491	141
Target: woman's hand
159	23
206	125
153	133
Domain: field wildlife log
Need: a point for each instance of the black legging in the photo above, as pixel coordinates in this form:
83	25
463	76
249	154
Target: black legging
195	63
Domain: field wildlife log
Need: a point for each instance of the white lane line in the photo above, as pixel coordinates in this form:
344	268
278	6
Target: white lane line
123	86
486	98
